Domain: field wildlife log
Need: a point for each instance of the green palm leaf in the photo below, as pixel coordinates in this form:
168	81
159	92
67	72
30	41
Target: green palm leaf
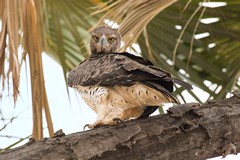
219	65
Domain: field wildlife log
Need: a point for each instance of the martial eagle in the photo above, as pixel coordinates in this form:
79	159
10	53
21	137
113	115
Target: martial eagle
120	86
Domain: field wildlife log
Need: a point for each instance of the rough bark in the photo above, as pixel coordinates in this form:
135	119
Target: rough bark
189	131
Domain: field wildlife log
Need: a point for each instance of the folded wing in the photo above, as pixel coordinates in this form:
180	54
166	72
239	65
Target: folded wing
122	69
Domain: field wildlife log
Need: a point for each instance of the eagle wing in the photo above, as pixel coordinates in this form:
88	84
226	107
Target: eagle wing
122	69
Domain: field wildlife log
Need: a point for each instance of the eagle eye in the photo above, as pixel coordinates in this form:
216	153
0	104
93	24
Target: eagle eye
111	39
95	38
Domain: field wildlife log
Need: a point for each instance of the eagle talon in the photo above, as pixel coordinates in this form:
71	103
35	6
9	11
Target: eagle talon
87	125
118	120
94	125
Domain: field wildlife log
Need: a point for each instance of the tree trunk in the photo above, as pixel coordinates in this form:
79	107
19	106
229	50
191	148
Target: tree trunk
189	131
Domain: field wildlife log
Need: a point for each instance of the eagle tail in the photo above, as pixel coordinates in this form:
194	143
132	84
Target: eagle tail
147	111
182	83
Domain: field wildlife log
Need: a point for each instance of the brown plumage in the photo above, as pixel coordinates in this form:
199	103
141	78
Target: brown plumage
120	85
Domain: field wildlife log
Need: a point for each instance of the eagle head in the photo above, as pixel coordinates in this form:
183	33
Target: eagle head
105	40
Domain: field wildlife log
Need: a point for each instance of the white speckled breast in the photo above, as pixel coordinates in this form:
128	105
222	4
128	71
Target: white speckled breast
92	95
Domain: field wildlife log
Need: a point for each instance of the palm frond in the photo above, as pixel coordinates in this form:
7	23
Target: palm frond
25	30
10	30
68	32
195	60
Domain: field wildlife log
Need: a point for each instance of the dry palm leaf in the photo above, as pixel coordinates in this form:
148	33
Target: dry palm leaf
22	23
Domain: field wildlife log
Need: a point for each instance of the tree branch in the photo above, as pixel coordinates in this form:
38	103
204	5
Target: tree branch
188	131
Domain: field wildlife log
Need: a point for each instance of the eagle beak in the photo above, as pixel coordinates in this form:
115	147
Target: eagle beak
103	41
